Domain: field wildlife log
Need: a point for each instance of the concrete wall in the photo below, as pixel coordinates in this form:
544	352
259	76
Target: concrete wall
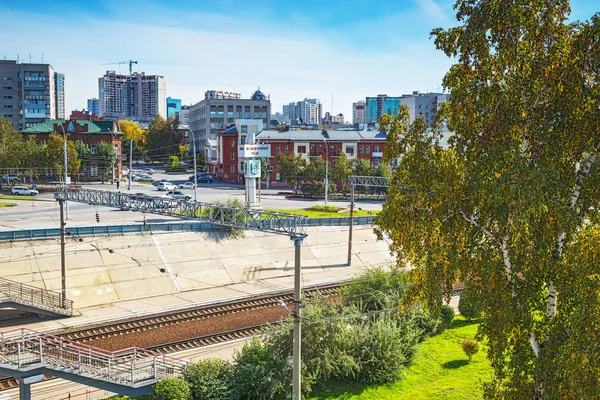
102	270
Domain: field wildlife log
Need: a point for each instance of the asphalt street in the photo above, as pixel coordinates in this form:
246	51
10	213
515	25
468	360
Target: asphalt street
44	213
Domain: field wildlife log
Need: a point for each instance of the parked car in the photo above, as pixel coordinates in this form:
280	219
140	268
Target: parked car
149	171
179	195
23	191
144	178
166	186
187	185
203	177
10	178
156	182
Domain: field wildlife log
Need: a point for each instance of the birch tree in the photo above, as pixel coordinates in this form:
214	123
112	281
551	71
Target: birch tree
511	207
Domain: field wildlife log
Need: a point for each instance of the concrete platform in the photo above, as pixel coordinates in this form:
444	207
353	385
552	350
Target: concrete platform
121	276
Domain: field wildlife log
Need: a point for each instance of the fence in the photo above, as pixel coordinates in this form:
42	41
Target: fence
27	295
164	227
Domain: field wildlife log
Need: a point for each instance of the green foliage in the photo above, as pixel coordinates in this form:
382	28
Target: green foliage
423	320
467	306
83	153
362	166
171	389
323	208
173	161
163	139
290	168
341	169
55	155
106	157
316	188
378	288
210	379
261	371
470	347
446	317
502	208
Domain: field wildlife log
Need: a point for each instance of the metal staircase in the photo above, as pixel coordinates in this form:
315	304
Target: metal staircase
34	299
25	352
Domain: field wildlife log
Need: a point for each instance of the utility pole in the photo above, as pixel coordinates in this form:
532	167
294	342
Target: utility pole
65	165
351	225
326	171
63	268
297	353
130	163
195	169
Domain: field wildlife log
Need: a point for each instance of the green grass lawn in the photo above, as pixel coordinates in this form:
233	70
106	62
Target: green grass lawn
324	214
7	204
13	197
440	371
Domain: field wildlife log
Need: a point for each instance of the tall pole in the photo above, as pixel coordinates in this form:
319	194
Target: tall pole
326	171
65	166
63	268
351	225
297	363
130	163
195	169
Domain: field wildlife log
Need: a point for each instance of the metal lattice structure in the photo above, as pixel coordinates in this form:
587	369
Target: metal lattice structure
280	223
25	350
31	296
373	181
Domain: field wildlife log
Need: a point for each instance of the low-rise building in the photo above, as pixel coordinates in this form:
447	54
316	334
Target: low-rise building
92	133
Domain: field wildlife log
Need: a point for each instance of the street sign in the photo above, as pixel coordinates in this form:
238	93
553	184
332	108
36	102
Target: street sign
253	169
254	150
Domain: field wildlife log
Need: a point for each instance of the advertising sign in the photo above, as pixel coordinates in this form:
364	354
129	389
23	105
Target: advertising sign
254	150
253	168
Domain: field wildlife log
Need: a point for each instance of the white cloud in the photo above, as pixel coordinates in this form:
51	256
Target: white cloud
434	11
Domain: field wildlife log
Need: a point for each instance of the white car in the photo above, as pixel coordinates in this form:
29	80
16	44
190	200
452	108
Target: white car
187	185
23	191
166	186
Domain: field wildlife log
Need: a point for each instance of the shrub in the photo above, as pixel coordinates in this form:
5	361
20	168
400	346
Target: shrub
470	347
423	321
209	379
171	389
446	317
323	208
467	306
376	289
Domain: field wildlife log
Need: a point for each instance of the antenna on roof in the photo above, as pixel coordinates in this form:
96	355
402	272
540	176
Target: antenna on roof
42	58
29	58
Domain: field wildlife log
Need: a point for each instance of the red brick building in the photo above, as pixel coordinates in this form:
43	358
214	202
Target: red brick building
309	144
89	132
85	115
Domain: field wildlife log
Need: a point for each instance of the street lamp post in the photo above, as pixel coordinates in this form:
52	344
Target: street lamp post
195	176
326	170
65	168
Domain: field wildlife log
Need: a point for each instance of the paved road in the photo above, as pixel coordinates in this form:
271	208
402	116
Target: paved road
44	213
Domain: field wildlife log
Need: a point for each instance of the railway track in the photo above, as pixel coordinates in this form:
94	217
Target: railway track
161	320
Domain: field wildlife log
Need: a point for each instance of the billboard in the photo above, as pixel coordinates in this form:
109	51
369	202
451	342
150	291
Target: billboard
254	150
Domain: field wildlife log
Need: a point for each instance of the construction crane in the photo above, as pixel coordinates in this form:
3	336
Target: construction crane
131	62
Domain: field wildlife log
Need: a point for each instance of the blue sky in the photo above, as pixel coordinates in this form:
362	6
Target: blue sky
347	49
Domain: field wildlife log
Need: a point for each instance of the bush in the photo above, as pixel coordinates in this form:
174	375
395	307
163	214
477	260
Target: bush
470	347
467	306
376	289
446	317
322	208
316	189
423	321
171	389
383	348
209	379
178	168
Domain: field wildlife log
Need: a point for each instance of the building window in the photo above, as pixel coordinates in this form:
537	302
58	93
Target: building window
376	150
93	171
232	169
220	114
301	149
213	114
367	149
238	114
277	149
229	114
376	163
243	140
247	115
232	156
361	149
285	149
93	150
350	150
232	143
256	115
244	129
277	176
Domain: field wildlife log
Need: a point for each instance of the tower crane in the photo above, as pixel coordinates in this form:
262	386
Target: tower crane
131	62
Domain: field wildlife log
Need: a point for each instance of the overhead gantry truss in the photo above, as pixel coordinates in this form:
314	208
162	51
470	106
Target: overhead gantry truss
373	181
280	223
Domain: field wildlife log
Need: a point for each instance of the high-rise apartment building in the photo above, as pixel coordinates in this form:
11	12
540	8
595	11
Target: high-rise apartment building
218	111
424	104
173	106
358	113
30	93
307	111
93	106
146	100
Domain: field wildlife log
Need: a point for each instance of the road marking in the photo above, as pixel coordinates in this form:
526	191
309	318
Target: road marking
165	262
